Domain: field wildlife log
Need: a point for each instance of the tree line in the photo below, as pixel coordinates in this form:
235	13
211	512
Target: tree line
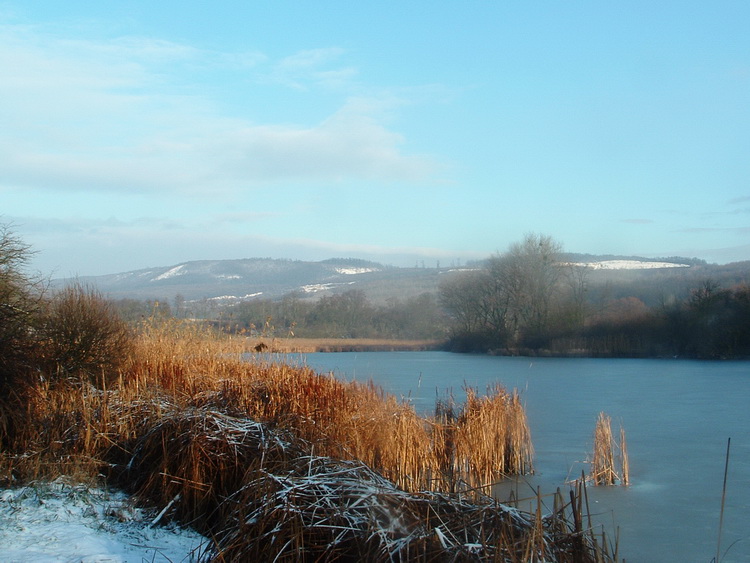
346	315
530	300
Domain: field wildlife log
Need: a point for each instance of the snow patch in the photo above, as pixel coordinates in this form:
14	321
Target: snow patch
176	271
61	522
234	297
629	265
228	276
352	271
316	287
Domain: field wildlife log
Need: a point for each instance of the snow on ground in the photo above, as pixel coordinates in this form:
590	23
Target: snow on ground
59	522
176	271
629	265
315	288
353	271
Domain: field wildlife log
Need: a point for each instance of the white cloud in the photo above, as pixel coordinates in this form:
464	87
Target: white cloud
312	67
118	115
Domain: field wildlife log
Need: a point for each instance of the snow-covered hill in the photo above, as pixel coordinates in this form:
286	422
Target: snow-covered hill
227	281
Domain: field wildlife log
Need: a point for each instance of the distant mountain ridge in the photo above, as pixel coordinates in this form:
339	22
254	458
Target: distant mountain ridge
247	278
269	278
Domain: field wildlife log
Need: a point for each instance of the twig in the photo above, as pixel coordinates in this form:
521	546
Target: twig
164	511
723	498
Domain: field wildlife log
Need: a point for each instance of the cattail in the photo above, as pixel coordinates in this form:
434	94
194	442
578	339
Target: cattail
604	470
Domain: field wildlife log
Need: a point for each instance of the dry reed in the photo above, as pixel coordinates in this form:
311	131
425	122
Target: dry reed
492	437
184	365
236	445
320	509
605	469
308	345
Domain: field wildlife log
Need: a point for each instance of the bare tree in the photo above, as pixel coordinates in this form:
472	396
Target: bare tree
514	297
21	296
529	276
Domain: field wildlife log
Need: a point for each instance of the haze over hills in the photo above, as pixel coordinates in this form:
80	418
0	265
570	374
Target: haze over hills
267	278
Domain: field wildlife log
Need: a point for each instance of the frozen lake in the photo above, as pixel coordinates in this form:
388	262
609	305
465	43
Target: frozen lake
677	414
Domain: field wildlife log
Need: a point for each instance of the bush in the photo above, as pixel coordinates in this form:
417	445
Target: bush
84	335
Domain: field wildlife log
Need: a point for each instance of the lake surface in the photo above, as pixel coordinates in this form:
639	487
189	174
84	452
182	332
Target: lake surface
677	415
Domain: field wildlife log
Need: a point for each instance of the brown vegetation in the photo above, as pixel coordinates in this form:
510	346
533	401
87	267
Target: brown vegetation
297	345
271	460
607	468
82	335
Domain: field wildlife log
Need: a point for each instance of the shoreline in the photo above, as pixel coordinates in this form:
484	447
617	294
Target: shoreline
310	345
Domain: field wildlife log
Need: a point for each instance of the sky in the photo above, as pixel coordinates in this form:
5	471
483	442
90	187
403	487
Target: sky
136	134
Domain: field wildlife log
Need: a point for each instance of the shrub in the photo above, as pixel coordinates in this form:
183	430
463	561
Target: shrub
84	336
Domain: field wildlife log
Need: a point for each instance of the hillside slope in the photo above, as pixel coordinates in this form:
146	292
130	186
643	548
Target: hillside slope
267	278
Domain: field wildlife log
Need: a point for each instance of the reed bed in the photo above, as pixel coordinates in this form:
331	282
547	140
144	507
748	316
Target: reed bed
343	420
492	438
261	496
240	446
327	510
308	345
608	468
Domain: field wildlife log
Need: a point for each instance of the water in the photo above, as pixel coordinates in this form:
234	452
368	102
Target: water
677	416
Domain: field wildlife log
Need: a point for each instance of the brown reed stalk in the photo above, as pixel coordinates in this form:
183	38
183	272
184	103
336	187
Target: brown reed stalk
603	463
604	467
624	460
492	438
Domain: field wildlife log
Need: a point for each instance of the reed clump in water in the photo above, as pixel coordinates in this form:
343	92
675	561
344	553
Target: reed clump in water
607	467
486	440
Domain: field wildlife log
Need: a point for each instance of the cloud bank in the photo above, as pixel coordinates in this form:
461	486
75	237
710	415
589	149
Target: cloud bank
116	115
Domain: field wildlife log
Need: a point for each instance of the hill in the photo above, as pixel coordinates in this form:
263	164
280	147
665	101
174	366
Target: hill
266	278
231	281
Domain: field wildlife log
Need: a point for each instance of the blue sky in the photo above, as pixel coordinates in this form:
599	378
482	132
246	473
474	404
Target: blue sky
138	134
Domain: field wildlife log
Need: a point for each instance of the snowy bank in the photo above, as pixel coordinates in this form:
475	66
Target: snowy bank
58	522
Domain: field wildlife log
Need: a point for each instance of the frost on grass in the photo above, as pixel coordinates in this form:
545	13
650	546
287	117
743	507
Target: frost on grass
61	522
323	509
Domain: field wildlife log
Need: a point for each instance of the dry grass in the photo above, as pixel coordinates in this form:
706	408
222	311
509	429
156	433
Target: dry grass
182	366
240	449
309	345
